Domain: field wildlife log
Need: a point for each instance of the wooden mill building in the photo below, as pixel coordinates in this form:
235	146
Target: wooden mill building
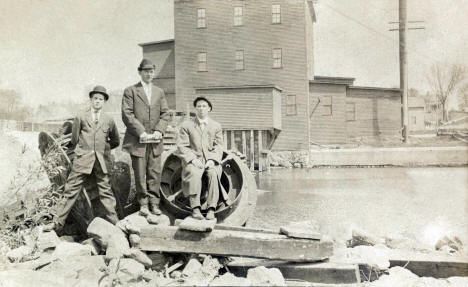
254	59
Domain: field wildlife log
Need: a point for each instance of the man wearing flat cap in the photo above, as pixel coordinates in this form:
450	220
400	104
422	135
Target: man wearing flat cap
200	147
94	134
145	113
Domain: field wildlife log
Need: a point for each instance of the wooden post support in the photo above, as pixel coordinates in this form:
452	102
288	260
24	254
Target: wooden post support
244	144
252	151
233	243
233	141
225	139
260	154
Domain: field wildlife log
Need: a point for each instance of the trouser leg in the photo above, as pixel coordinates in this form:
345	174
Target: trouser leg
212	196
72	189
139	170
105	193
192	183
153	175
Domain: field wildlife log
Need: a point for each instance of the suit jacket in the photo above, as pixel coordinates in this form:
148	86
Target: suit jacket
205	144
140	116
93	141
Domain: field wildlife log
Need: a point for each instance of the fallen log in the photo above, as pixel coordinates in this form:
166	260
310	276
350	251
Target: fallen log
234	243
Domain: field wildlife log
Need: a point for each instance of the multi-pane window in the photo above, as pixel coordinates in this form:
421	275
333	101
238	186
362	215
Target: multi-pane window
350	112
326	105
202	62
239	60
277	61
238	13
275	14
201	18
291	106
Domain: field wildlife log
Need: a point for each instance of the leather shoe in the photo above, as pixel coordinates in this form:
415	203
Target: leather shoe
144	211
210	215
197	214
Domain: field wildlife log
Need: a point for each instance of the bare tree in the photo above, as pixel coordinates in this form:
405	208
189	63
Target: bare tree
444	80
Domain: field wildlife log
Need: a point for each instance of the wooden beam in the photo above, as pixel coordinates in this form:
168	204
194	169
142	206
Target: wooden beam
260	155
233	141
319	272
252	151
244	144
233	243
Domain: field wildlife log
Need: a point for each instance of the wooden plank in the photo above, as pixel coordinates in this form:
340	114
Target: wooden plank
260	156
244	144
233	243
233	141
321	272
252	151
221	226
436	269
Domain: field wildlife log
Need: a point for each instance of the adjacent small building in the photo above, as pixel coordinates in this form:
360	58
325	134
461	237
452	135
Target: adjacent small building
254	60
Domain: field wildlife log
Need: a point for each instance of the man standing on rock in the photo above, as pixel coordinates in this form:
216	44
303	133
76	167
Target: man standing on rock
200	147
94	134
145	113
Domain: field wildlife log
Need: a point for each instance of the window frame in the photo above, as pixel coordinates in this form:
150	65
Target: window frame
201	18
239	17
276	14
275	59
205	62
330	106
239	60
291	105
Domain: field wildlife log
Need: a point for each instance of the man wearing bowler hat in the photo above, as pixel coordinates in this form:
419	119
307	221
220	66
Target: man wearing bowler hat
200	147
145	113
94	134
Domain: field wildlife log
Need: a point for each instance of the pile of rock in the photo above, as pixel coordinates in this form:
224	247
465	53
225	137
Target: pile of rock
111	257
289	159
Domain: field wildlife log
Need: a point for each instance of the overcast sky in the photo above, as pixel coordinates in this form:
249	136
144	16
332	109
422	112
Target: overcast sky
56	49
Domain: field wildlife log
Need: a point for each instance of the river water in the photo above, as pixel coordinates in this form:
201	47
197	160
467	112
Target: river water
423	203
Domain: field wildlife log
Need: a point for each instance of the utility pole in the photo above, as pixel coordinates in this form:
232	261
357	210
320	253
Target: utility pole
403	29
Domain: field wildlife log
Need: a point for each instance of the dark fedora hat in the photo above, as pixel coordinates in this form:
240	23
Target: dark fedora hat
146	65
202	99
99	90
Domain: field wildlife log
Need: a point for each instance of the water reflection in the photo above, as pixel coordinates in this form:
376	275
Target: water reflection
383	201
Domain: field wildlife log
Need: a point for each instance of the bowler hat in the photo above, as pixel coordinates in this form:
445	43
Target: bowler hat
99	90
146	65
202	99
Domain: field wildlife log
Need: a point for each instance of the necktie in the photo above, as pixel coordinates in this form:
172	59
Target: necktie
202	125
96	117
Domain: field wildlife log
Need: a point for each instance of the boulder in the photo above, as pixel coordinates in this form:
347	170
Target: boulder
46	240
73	267
89	277
134	240
397	277
20	253
127	270
141	257
192	266
297	165
67	238
453	242
159	260
192	224
229	279
262	276
132	224
176	274
64	250
109	236
29	278
361	237
95	248
206	274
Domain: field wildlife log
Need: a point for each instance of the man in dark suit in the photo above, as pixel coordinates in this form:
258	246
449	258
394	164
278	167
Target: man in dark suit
200	147
94	134
145	113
